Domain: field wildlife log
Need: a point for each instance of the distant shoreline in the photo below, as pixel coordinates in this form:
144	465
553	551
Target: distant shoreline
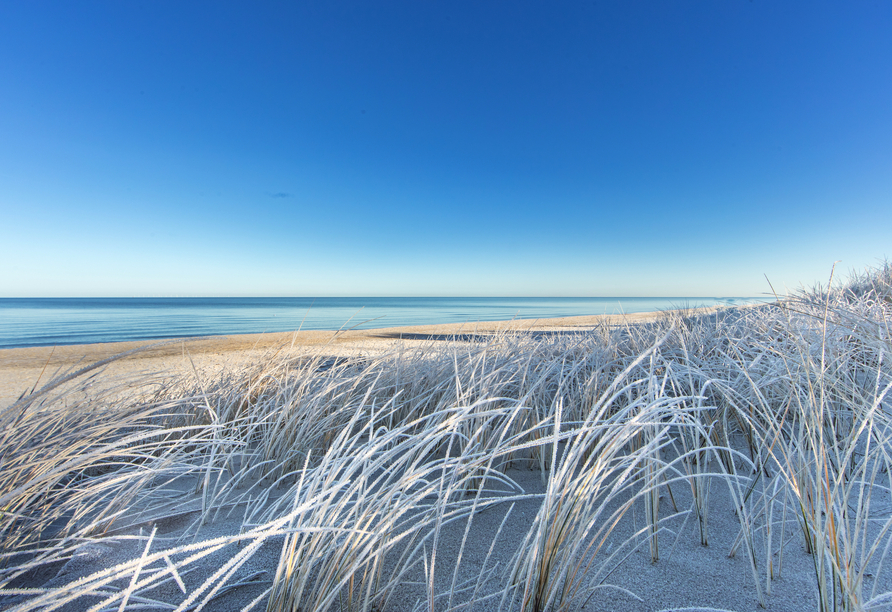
34	322
22	368
31	355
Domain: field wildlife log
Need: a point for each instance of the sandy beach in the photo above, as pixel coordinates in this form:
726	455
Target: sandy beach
21	369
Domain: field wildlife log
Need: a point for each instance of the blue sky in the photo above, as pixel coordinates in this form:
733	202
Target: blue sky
442	148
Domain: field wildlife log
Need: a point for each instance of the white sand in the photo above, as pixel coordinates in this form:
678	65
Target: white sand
687	574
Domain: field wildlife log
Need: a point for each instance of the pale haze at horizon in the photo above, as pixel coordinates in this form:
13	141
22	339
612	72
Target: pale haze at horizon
437	149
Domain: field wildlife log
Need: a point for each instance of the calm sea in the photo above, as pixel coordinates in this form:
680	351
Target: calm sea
51	321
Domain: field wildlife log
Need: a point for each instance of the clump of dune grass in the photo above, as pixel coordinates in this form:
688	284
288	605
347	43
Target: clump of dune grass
356	468
816	399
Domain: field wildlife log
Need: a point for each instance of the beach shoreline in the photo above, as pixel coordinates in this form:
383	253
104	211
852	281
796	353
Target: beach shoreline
23	369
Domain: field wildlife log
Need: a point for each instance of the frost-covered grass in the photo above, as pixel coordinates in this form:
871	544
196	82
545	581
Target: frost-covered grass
355	467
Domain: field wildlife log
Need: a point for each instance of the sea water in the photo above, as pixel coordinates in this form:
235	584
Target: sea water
53	321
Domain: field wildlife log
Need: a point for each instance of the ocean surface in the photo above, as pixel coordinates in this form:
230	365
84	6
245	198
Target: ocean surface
53	321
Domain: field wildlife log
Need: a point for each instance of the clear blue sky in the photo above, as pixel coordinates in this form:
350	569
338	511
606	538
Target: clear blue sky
668	148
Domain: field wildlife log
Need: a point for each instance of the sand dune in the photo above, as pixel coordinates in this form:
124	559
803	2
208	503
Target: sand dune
657	462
